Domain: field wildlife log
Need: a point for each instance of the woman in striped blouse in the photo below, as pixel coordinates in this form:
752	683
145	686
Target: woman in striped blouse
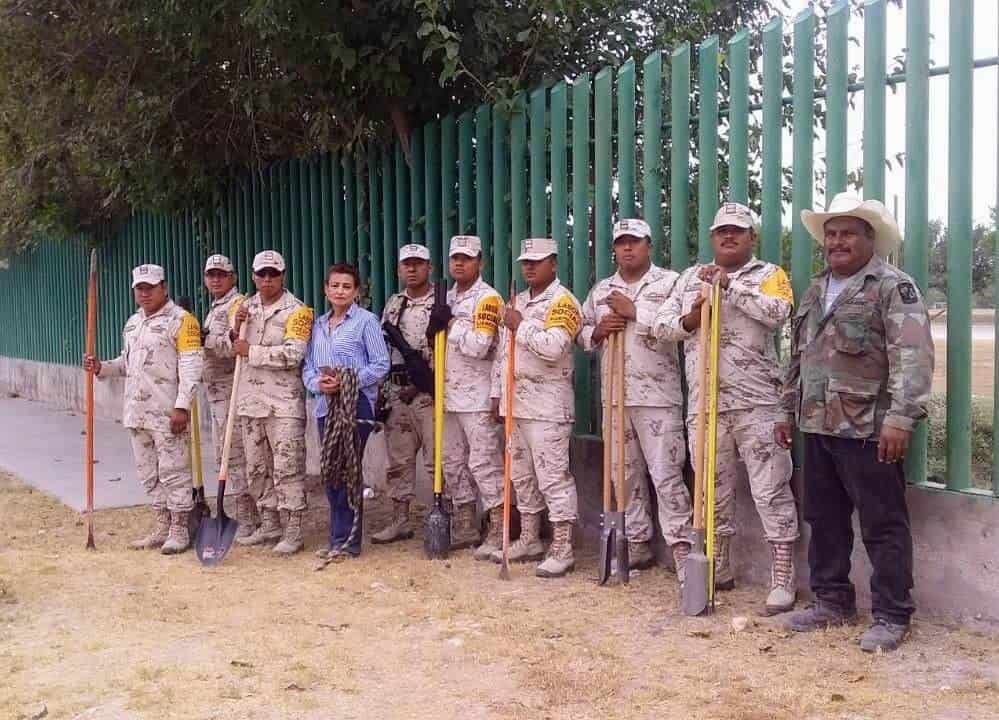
348	336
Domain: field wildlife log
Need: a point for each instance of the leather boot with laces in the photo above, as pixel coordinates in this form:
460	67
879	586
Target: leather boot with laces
560	559
179	538
269	530
246	515
464	530
291	541
528	546
783	588
724	577
399	527
494	538
640	555
820	616
883	636
158	535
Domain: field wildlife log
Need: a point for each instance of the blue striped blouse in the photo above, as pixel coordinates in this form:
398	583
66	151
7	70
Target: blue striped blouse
355	343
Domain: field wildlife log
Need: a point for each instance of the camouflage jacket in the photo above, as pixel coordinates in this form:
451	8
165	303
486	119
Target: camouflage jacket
270	382
755	304
543	367
652	367
471	347
867	362
220	360
413	327
161	359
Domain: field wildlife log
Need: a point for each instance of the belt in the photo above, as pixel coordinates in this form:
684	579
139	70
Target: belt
399	378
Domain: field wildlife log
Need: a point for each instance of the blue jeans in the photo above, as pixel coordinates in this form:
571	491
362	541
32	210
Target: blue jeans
341	514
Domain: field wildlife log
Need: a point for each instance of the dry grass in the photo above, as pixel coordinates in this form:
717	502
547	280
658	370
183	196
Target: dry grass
119	634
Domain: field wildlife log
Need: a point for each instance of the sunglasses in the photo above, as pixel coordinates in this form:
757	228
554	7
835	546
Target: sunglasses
268	272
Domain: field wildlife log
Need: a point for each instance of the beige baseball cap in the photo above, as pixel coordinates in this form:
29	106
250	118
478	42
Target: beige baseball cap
470	245
420	252
537	249
268	259
219	262
732	213
631	227
149	274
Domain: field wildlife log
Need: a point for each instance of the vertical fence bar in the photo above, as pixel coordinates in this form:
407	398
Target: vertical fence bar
316	244
602	169
448	184
401	199
874	99
339	209
375	228
679	172
560	180
917	138
581	266
363	235
501	181
626	140
518	179
995	298
287	211
326	193
538	171
295	271
802	172
959	241
350	212
389	192
484	188
707	141
738	117
432	187
836	98
466	170
307	276
772	177
417	206
652	151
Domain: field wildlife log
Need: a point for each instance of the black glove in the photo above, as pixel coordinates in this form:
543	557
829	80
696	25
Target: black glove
394	336
440	316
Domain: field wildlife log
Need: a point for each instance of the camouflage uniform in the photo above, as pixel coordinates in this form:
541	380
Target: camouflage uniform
161	360
865	364
754	305
271	401
220	362
653	406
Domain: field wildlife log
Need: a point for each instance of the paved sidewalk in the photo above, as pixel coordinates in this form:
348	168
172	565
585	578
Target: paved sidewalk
44	445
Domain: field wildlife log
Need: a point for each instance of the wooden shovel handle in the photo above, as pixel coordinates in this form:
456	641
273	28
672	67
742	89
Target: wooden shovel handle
91	349
619	491
702	406
608	419
230	419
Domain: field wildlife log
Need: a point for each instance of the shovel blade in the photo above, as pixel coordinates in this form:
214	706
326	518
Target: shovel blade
694	598
437	532
621	556
606	553
214	539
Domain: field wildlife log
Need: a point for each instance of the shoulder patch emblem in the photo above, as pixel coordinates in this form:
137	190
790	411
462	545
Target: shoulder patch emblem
776	285
563	314
189	334
486	318
299	325
908	293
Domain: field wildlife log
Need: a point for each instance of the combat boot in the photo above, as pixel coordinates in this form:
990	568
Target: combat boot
246	515
560	559
528	547
494	538
821	616
398	528
178	539
640	555
783	587
883	635
680	552
269	530
292	541
724	577
157	535
464	533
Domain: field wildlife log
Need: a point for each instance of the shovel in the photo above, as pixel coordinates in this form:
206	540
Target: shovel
437	529
696	593
613	541
91	348
511	349
200	509
215	535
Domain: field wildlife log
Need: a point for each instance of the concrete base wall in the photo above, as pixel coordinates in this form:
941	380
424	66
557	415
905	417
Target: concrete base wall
956	536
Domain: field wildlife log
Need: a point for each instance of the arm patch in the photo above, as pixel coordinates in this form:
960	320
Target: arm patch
299	325
563	314
189	334
486	317
908	293
777	285
234	308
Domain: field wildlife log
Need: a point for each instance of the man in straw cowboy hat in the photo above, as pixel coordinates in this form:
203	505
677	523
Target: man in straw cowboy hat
860	373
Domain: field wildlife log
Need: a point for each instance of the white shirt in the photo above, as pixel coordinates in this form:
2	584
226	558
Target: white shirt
834	286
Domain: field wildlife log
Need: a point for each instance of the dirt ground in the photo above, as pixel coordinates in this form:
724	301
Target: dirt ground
118	634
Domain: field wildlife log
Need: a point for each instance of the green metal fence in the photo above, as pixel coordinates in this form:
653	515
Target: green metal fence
571	158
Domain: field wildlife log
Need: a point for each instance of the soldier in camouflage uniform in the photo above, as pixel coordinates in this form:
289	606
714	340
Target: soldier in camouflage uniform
545	320
220	362
756	301
270	401
859	378
473	452
627	302
161	359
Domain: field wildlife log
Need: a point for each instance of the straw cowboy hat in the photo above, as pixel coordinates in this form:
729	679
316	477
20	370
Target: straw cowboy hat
886	234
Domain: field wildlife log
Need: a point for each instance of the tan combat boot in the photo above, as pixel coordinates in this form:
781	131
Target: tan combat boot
179	539
724	577
246	515
398	528
292	541
680	552
528	547
494	538
560	559
157	535
640	555
269	530
464	532
783	590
